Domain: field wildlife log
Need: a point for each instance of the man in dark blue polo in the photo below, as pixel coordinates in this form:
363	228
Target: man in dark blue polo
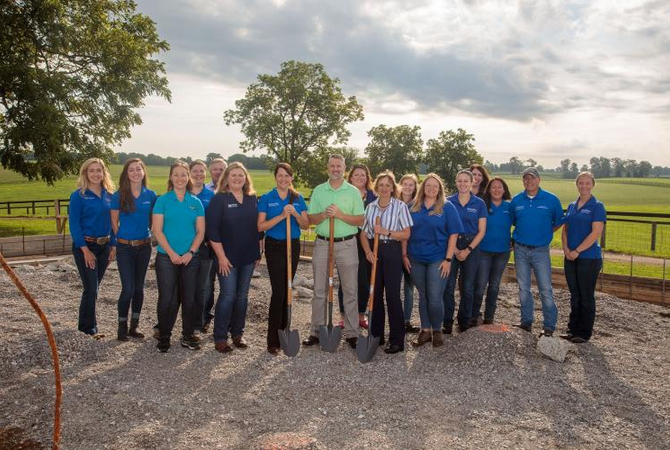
536	214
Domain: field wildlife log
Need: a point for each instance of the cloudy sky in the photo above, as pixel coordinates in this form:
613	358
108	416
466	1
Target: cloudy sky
545	80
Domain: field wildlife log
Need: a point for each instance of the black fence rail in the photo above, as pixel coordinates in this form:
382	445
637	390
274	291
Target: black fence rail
36	207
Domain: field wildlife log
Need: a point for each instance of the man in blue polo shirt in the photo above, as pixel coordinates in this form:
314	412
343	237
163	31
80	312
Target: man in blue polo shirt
536	214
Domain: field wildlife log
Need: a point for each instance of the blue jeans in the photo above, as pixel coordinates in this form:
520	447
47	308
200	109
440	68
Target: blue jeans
91	279
468	269
538	260
133	263
426	277
176	284
408	289
491	268
231	306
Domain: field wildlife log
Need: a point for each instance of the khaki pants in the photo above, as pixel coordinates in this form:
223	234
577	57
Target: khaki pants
346	260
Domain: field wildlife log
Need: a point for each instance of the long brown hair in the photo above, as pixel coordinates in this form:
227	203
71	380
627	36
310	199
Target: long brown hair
485	178
438	207
487	191
292	193
247	189
368	177
189	185
126	198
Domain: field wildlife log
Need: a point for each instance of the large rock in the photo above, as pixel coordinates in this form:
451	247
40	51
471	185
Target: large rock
554	348
303	281
303	294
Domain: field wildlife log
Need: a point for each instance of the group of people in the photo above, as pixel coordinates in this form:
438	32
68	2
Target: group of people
428	240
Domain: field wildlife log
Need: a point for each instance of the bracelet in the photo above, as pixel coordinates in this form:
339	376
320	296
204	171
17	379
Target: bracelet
447	259
470	248
405	255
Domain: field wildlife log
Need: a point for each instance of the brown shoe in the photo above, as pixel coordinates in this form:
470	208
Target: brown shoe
438	339
273	350
223	347
239	342
423	338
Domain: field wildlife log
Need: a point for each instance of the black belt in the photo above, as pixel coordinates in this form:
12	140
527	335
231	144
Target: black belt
342	239
527	246
280	241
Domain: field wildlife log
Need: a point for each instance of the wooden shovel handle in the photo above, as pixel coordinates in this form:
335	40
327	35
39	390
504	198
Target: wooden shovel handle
331	259
289	262
375	250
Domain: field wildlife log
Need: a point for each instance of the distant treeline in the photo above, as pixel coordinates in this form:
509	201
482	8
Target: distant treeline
250	162
601	167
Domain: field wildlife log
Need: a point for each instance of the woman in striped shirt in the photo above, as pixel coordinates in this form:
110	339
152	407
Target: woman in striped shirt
394	228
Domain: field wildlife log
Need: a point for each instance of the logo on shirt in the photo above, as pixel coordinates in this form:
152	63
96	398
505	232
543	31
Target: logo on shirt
542	207
519	208
585	211
232	205
146	203
192	207
273	204
472	210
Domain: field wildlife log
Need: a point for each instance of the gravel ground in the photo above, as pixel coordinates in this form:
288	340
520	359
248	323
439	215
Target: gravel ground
483	389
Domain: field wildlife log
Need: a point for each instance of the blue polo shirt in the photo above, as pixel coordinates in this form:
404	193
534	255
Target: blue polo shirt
89	216
579	223
205	196
272	205
534	218
430	233
498	229
470	214
135	225
235	226
369	198
179	219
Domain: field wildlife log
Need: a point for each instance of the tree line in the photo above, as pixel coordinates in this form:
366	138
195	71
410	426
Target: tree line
601	167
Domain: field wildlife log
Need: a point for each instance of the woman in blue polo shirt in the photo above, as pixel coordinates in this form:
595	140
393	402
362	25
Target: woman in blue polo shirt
93	243
179	225
198	171
584	224
131	222
430	250
472	212
232	230
273	208
494	249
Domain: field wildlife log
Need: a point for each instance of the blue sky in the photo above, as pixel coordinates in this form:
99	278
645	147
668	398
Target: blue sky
544	80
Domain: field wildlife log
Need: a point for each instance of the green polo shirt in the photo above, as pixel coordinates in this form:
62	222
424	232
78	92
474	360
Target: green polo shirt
347	198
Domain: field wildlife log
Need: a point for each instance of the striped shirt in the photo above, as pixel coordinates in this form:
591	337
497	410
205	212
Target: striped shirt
395	217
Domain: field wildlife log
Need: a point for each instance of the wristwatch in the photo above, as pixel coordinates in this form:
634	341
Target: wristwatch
470	248
192	252
447	259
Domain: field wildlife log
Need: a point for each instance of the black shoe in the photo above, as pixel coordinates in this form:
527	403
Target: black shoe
474	322
352	342
567	336
312	340
163	345
488	321
133	331
189	343
409	328
524	327
547	333
382	341
122	333
448	328
578	340
392	349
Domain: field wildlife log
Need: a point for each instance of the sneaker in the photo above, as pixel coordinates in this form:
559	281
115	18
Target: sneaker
547	333
363	323
163	345
189	343
409	328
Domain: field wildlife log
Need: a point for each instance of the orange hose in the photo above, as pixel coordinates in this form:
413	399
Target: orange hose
52	344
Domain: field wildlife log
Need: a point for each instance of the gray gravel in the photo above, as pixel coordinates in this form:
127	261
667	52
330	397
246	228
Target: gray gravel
481	390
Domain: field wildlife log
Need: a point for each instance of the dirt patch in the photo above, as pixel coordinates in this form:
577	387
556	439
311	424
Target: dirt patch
485	388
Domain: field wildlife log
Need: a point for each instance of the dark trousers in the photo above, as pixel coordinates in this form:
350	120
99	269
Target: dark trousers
468	269
91	279
169	276
582	276
364	268
275	256
490	271
208	307
203	288
387	281
133	263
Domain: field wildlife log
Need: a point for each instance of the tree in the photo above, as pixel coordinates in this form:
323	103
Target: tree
398	149
211	157
314	170
617	167
584	168
294	113
531	162
565	168
72	74
643	169
515	165
574	170
450	152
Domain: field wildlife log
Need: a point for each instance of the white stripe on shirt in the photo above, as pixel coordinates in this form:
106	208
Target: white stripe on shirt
395	217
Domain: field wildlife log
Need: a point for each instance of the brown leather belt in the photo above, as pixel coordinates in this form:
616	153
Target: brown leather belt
97	240
134	243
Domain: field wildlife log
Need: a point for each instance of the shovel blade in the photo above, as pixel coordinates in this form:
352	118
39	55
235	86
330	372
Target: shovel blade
366	348
289	340
329	338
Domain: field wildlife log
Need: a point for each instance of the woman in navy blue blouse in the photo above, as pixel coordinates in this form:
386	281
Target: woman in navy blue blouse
93	243
232	230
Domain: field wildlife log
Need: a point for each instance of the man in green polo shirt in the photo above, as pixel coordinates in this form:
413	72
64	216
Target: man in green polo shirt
339	199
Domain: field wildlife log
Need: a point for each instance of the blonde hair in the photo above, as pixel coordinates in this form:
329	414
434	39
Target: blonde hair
409	176
387	174
82	181
585	174
438	207
247	189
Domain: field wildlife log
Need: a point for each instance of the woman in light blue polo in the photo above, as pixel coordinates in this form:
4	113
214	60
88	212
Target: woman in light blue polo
494	249
472	212
585	220
179	226
273	208
430	250
93	243
131	221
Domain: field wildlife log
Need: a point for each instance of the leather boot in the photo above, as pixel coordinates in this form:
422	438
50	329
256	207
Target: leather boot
122	334
134	332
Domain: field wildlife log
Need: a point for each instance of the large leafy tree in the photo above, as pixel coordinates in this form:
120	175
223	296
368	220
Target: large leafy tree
294	113
72	73
315	168
450	152
398	149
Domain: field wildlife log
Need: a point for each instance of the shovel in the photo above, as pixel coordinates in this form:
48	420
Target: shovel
289	340
329	337
366	348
